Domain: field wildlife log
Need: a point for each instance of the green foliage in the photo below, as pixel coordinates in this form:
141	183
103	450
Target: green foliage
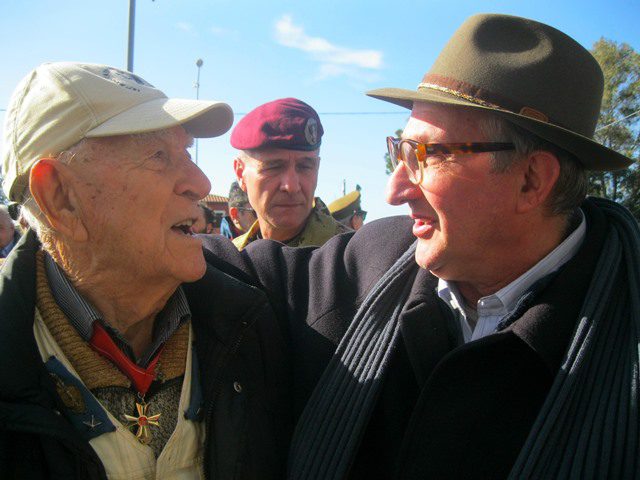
619	122
388	168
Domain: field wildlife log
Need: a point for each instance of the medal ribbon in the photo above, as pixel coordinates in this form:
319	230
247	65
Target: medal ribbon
141	377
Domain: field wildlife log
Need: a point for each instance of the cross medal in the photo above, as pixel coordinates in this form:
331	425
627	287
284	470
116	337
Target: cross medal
142	421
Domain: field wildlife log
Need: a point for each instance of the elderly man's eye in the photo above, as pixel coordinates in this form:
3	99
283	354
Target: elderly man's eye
157	161
160	157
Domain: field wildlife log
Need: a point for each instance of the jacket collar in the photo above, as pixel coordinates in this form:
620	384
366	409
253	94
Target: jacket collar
428	328
548	324
19	352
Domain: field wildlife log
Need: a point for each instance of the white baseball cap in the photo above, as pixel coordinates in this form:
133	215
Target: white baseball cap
58	104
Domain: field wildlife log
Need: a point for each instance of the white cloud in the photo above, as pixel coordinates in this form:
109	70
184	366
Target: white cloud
334	60
185	27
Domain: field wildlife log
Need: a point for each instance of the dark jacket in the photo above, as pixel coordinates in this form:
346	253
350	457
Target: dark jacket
243	374
447	409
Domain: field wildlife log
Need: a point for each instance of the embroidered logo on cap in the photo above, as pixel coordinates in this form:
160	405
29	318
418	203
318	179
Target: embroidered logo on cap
311	131
124	79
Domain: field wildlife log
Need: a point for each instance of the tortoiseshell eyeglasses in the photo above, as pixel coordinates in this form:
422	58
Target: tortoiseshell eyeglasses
417	156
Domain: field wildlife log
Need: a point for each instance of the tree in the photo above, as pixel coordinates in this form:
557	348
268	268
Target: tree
619	122
387	160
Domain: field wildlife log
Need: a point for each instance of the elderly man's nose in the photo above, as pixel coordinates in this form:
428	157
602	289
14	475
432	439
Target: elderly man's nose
193	183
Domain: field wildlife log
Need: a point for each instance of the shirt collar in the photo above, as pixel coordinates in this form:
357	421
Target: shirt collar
504	300
508	296
81	313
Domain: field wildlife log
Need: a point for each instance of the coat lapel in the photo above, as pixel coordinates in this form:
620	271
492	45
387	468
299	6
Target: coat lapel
428	328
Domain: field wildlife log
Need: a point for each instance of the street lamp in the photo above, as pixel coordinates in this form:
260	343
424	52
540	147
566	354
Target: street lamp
132	27
197	85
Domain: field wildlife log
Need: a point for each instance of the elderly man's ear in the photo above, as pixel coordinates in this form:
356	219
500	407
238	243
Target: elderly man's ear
538	175
52	185
238	167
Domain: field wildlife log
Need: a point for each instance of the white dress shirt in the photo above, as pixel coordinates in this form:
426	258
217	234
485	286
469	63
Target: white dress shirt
490	310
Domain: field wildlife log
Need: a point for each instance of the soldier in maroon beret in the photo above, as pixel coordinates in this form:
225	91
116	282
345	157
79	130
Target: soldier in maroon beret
278	168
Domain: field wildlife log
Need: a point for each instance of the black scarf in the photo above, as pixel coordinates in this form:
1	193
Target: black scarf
332	424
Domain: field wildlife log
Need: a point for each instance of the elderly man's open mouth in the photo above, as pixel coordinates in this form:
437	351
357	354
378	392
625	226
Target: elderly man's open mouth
184	227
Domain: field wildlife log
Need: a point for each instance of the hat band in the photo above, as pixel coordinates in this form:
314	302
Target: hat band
475	95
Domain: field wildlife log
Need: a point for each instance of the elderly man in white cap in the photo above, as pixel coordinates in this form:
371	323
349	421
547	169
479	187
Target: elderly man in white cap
109	368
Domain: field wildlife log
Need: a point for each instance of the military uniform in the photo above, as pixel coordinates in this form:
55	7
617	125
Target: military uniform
319	228
288	124
345	208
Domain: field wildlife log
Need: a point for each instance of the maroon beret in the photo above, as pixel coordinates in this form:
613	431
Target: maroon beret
285	123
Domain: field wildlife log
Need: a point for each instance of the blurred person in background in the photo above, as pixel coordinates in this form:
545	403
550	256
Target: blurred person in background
9	235
205	221
347	210
241	215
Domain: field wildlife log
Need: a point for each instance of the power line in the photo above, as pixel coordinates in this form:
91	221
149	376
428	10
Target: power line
619	120
239	114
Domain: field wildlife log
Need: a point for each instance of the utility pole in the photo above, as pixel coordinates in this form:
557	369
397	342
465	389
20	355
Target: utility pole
132	27
199	63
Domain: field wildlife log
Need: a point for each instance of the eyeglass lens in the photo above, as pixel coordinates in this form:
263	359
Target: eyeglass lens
400	151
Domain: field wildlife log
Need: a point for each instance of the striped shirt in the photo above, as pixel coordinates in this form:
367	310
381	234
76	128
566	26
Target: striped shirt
82	314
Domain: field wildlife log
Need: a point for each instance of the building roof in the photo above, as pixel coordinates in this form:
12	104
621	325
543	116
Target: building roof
212	198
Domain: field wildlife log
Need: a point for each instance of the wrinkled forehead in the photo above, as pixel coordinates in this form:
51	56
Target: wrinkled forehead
172	136
123	145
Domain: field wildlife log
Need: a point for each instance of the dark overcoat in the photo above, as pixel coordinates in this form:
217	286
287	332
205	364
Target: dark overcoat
243	373
447	409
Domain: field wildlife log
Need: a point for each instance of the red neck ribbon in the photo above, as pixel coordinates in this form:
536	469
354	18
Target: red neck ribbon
141	378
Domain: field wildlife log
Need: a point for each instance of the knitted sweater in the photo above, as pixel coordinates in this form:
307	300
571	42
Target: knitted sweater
105	381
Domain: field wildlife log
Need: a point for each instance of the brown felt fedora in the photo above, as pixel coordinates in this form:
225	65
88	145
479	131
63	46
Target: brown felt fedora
529	73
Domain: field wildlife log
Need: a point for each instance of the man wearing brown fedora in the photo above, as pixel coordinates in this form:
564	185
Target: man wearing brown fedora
495	333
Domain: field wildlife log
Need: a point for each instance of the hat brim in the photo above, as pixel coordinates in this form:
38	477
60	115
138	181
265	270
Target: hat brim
200	118
591	154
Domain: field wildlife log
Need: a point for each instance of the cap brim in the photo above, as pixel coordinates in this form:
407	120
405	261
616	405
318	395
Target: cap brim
201	118
591	154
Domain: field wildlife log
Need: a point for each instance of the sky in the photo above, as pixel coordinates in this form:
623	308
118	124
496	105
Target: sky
325	53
